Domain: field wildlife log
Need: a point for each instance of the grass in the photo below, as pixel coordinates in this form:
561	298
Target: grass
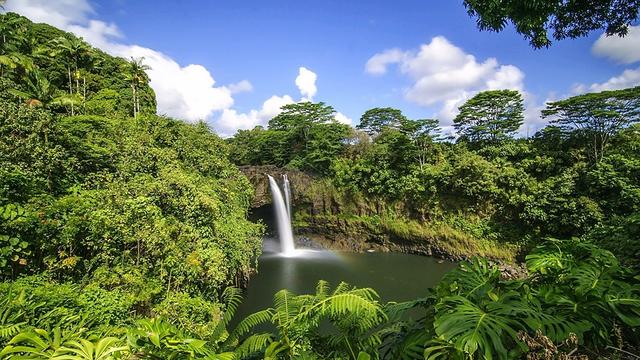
439	235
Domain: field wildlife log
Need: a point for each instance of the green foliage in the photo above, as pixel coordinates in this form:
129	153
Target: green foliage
490	116
373	121
576	290
303	136
63	73
596	116
352	313
558	19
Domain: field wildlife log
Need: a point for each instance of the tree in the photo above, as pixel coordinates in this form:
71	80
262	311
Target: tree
564	18
423	133
597	116
135	73
12	33
75	51
302	115
39	92
492	116
307	136
374	120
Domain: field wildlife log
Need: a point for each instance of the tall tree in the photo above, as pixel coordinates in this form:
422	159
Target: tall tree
39	92
11	36
563	18
135	73
298	118
598	116
308	136
374	120
75	51
490	116
423	132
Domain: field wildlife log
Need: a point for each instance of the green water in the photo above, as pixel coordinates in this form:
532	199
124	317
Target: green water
395	276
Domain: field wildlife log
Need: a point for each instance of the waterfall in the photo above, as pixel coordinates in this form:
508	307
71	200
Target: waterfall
287	194
285	233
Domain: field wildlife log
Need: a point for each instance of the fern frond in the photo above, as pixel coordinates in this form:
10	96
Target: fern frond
250	322
254	344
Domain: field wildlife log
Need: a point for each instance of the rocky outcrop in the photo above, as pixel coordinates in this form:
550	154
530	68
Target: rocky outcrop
257	175
312	195
339	220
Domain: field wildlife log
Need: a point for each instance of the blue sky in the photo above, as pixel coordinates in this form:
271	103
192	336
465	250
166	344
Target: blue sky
265	44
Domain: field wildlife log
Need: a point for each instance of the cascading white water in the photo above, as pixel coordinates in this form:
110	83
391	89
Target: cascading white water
287	194
285	232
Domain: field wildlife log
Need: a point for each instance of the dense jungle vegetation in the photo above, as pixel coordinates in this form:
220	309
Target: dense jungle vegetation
123	234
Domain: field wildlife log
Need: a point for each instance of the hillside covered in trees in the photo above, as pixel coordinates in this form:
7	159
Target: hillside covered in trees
124	234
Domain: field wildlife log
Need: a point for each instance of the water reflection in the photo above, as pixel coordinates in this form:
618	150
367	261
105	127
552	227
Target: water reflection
395	276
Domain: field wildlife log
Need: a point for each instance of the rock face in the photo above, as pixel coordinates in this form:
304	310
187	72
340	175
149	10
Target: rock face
335	219
311	195
257	175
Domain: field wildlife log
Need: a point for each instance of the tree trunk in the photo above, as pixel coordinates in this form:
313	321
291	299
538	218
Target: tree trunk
70	82
133	91
77	81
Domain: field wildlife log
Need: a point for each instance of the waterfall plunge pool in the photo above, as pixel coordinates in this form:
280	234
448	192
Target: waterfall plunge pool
395	276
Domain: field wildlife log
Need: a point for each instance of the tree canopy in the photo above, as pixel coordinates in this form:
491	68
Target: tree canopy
373	121
597	116
560	18
490	116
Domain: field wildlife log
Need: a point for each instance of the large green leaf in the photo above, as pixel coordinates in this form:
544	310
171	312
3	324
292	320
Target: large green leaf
487	330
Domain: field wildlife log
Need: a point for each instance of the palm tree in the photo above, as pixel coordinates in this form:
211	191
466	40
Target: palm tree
134	72
12	35
39	92
75	51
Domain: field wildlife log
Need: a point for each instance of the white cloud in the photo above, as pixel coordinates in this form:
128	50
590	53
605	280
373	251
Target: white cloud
624	50
628	78
239	87
342	118
442	74
186	92
231	120
377	65
306	83
58	13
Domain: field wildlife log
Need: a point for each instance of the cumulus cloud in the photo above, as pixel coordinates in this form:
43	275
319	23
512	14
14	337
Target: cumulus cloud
231	120
306	83
242	86
443	74
628	78
344	119
377	65
625	50
186	92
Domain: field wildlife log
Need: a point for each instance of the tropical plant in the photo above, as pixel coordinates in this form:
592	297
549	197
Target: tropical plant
490	116
135	74
40	93
354	315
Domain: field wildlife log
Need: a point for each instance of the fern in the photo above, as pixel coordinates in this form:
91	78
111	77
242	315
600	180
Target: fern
254	344
250	322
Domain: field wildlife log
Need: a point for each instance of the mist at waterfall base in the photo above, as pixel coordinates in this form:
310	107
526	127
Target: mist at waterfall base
394	276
